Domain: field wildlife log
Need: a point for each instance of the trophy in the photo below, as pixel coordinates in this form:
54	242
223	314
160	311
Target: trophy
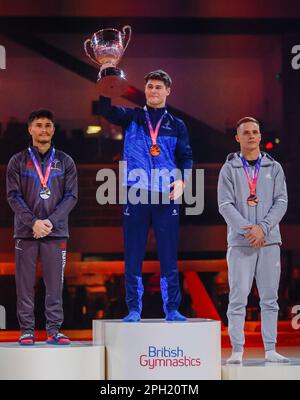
108	46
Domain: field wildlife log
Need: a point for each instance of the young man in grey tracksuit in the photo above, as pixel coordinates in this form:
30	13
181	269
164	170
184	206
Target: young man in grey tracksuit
252	198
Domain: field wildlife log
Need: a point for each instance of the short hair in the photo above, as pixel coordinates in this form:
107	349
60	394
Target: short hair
40	113
159	75
246	119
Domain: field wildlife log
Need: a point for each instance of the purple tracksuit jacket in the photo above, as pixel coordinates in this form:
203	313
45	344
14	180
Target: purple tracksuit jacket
23	194
23	188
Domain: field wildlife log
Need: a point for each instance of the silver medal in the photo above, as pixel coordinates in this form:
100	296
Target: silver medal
45	193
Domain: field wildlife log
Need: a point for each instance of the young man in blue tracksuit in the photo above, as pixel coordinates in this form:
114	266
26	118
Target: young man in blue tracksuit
155	142
41	190
252	198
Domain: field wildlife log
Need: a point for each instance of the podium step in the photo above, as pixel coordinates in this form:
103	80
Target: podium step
78	361
258	369
156	349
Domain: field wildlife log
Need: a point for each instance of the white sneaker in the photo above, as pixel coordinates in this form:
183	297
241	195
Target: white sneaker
235	358
274	357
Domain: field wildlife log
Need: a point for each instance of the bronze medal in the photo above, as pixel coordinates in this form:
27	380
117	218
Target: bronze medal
252	200
155	150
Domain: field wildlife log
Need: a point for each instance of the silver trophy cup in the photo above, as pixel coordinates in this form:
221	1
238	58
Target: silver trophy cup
108	46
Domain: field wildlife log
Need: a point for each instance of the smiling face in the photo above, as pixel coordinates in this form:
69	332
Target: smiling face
248	136
41	130
156	93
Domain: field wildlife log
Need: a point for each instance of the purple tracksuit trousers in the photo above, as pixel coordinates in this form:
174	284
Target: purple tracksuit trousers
53	257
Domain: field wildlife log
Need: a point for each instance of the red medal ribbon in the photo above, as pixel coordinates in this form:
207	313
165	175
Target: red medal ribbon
153	133
252	182
43	179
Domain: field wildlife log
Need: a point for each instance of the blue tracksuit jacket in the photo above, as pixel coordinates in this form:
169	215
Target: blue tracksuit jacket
172	139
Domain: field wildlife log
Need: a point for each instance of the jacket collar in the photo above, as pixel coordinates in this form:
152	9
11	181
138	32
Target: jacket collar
45	156
159	110
235	160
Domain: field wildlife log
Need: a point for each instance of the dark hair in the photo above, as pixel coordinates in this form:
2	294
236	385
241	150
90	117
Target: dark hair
40	113
159	75
246	119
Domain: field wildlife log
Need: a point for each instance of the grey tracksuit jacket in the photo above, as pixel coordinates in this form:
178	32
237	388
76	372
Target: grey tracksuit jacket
233	191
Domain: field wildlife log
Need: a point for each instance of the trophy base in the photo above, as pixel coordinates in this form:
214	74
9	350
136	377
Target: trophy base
112	82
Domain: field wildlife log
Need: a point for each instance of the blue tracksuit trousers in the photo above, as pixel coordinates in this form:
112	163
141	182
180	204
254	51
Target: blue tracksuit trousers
165	221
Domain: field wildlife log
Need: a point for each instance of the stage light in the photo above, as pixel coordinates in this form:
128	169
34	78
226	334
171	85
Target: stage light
269	146
93	130
277	141
119	136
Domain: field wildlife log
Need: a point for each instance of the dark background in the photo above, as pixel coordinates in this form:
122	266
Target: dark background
227	60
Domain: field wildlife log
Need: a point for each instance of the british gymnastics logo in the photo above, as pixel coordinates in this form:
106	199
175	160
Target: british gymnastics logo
167	357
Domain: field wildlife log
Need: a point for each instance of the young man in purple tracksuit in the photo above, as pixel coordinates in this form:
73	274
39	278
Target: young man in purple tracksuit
41	190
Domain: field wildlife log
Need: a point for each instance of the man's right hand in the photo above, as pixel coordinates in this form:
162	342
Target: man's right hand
41	228
255	236
259	243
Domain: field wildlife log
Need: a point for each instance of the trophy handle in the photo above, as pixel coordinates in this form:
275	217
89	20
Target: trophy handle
129	35
88	41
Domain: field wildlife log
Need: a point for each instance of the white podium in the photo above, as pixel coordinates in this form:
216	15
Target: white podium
253	369
80	361
156	349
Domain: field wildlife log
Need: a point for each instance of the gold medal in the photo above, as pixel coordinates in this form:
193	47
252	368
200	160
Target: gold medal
155	150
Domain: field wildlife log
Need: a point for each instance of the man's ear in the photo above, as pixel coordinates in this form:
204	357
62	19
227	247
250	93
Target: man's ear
29	129
237	138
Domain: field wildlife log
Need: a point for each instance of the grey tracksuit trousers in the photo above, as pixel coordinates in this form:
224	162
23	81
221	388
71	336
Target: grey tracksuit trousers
245	264
53	258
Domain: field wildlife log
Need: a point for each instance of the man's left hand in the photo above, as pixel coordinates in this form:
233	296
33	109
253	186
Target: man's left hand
178	186
48	225
255	235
